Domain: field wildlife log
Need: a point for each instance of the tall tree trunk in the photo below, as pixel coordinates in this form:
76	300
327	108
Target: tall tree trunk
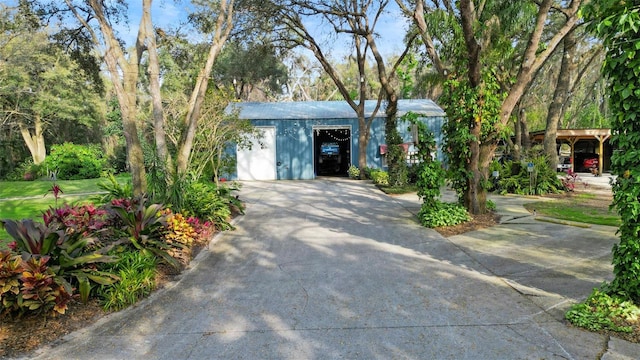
124	77
475	197
35	142
534	58
154	88
224	25
128	109
517	144
560	96
524	130
396	164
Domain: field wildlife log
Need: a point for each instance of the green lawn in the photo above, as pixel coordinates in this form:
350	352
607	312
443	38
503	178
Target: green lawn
11	189
28	199
578	209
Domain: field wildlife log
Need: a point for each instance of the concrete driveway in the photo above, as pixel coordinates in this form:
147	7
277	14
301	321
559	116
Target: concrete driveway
334	269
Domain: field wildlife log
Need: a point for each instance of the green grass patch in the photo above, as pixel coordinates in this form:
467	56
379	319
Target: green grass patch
395	190
576	209
13	189
29	199
29	208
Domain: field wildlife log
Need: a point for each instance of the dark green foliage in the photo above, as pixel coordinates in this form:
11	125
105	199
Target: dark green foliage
617	23
211	203
430	176
75	162
443	214
396	158
27	170
468	107
137	271
114	190
143	227
515	178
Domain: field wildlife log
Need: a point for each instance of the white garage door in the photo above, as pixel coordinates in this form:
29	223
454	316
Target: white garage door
259	162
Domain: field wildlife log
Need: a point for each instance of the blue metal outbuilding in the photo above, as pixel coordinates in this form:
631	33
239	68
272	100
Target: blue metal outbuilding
302	140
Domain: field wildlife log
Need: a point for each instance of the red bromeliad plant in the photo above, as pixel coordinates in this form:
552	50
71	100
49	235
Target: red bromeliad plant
144	225
56	190
40	291
68	246
78	219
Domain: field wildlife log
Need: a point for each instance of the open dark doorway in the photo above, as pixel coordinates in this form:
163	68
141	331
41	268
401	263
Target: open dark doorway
332	151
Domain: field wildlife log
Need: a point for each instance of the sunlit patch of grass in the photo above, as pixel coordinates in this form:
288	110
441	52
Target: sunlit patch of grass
29	199
575	209
13	189
395	190
30	209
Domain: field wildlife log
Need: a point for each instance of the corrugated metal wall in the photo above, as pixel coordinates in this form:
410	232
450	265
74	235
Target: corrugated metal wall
295	143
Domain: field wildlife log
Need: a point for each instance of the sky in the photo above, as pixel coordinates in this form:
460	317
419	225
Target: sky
170	13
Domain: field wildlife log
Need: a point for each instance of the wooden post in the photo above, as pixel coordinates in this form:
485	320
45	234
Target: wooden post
601	140
572	142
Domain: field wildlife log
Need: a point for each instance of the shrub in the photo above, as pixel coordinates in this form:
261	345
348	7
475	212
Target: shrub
30	285
601	311
212	203
40	292
491	205
10	271
203	229
430	177
365	173
27	170
143	226
516	179
178	229
137	279
75	162
443	214
379	177
114	190
353	172
65	239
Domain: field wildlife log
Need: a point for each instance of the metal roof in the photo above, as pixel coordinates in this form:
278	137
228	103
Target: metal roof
301	110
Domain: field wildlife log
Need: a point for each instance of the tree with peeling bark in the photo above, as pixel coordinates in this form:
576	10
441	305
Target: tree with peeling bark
480	26
97	20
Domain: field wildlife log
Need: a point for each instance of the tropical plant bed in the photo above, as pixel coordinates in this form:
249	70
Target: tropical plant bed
20	336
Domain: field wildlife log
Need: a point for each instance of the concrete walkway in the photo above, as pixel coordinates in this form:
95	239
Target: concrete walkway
334	269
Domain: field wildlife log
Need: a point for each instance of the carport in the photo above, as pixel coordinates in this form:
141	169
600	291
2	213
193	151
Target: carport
589	140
